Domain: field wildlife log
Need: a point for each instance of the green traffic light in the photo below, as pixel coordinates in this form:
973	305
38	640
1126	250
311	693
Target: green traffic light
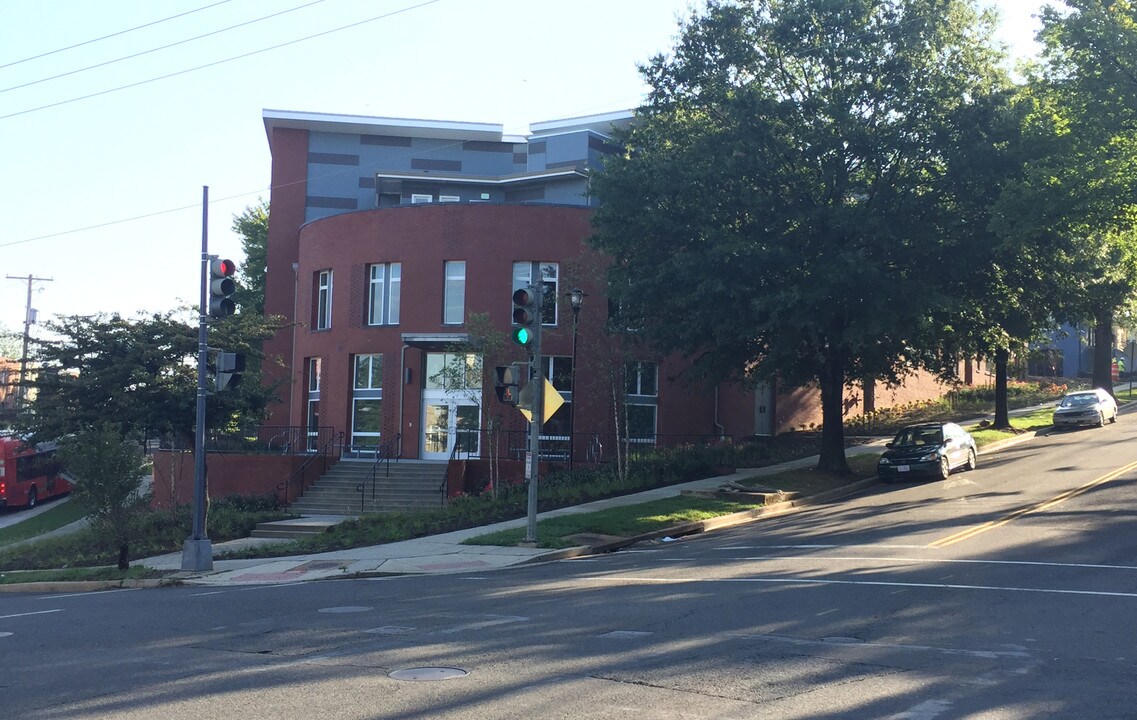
522	336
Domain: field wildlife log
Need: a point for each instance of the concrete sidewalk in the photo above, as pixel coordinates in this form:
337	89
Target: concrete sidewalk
445	553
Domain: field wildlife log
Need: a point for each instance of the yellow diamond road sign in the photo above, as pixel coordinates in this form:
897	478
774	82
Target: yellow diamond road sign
551	401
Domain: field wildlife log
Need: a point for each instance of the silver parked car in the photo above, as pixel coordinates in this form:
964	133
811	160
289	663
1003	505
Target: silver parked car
1085	407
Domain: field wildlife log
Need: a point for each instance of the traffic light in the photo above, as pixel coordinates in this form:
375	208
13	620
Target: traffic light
221	287
229	369
526	316
506	382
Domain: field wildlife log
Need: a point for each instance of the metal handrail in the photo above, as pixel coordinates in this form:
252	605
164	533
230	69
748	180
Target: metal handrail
321	454
383	454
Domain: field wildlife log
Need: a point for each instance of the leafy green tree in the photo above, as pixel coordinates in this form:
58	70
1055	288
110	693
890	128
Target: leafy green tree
1004	284
140	374
252	226
11	344
778	191
108	471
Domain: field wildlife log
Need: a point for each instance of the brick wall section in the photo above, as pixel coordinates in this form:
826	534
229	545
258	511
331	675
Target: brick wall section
228	474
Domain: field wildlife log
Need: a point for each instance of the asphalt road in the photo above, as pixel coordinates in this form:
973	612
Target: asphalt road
1007	592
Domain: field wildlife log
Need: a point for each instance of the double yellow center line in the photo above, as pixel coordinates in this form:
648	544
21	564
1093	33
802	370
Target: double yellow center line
1045	504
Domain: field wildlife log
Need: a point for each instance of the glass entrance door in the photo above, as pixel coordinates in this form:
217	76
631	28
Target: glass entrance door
446	423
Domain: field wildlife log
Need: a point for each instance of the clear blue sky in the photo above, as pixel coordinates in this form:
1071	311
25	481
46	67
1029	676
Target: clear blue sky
103	194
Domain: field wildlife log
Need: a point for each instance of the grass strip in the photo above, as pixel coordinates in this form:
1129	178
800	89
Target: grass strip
64	513
78	574
625	521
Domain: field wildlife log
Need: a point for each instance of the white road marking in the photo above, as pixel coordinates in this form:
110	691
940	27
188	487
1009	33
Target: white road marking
38	612
1028	563
84	594
868	583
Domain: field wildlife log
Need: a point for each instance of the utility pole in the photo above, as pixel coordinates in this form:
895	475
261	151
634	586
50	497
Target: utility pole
28	320
197	552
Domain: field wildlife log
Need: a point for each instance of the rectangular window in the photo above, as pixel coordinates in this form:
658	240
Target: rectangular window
417	198
453	371
312	413
522	274
449	198
323	308
367	403
368	372
558	369
641	400
454	301
384	283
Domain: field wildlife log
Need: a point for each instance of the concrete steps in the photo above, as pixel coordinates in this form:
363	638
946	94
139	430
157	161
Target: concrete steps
410	485
297	528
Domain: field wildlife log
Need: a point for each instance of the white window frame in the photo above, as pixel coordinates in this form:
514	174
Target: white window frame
454	292
371	391
324	300
421	198
637	397
550	286
449	198
384	286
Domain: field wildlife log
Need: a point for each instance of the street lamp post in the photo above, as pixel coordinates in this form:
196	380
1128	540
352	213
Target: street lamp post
576	300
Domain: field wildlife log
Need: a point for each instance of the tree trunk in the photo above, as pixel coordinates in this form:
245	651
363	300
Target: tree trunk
1103	351
832	382
1002	411
868	385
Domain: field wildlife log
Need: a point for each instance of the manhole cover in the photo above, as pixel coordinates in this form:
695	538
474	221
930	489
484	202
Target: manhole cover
427	673
347	609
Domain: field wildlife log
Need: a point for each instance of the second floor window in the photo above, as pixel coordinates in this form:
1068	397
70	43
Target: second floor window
522	277
385	281
323	309
454	299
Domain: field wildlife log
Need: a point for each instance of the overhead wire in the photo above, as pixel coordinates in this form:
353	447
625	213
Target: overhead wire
114	34
799	54
163	47
220	62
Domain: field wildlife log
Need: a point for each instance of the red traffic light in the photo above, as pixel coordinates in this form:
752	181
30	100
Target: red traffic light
222	268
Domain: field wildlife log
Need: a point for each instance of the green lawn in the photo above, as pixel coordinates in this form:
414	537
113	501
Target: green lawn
137	572
618	521
648	517
63	513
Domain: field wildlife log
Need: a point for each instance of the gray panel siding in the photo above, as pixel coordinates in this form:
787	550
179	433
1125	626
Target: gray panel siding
342	167
389	140
433	164
332	159
331	202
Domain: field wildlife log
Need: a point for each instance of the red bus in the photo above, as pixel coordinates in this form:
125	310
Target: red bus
29	473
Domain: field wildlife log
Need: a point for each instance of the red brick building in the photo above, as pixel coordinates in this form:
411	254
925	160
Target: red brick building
389	239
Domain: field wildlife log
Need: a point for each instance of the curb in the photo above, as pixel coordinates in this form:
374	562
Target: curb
52	586
693	528
745	516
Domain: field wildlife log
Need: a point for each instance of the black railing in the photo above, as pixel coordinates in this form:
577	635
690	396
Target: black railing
393	449
320	456
266	439
581	448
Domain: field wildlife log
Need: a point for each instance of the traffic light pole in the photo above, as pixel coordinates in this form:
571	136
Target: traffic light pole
537	375
197	553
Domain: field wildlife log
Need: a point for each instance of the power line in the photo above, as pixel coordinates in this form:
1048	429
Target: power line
163	47
220	62
114	34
